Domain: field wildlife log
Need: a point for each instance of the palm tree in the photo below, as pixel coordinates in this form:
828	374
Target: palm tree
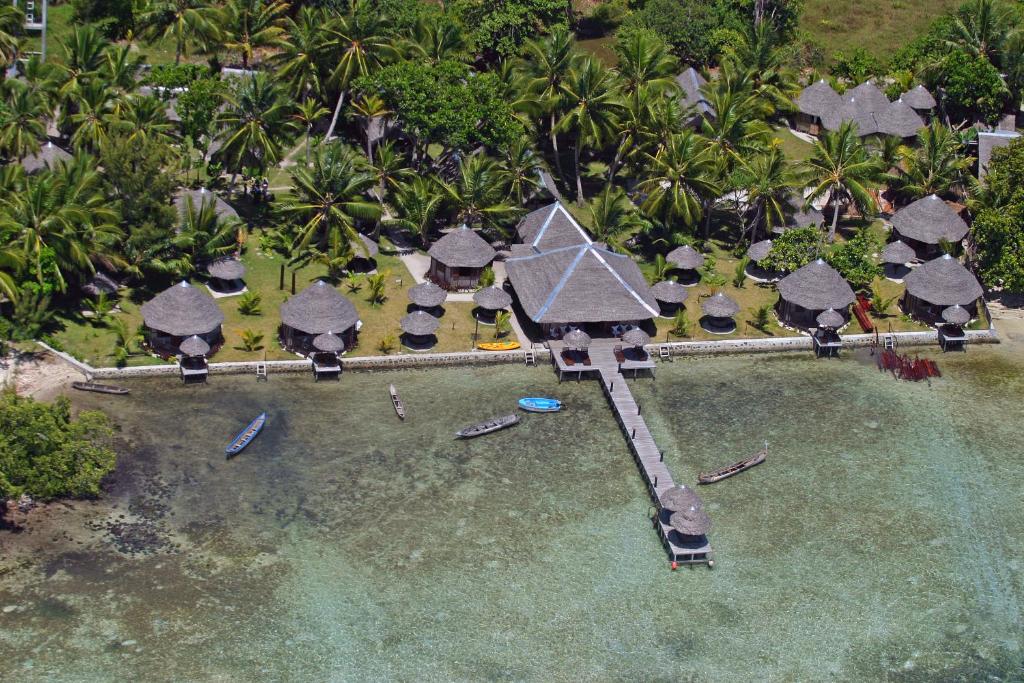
934	165
761	54
84	56
182	20
253	125
644	61
359	46
737	129
368	108
23	125
547	63
612	213
634	127
93	118
390	169
592	105
768	180
43	80
302	55
121	67
416	205
683	181
518	169
245	26
203	236
436	40
840	170
305	116
477	195
983	29
330	197
11	22
146	117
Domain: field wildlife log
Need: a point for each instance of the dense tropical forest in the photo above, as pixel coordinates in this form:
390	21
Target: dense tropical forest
324	120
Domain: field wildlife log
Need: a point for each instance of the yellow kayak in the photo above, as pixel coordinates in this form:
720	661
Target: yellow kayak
498	346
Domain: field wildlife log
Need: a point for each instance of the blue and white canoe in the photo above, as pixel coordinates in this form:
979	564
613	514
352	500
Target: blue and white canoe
540	405
246	436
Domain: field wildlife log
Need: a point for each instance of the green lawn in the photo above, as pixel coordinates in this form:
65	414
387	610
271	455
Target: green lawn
95	343
793	147
879	26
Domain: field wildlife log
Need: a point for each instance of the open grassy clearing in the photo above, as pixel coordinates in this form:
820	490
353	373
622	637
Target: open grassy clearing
879	26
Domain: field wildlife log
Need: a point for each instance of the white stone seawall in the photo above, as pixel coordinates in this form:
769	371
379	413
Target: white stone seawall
426	360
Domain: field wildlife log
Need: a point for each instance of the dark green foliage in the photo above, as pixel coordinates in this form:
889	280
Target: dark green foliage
925	49
114	17
442	103
998	228
857	66
175	75
198	107
141	177
793	249
686	25
1004	181
500	26
762	317
972	87
46	454
854	259
30	314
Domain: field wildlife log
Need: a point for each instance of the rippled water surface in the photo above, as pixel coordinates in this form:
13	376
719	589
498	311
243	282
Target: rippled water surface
881	540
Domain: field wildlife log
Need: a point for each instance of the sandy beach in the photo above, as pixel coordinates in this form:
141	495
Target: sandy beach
40	375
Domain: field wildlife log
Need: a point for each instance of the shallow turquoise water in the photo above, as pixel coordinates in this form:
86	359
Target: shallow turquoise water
882	539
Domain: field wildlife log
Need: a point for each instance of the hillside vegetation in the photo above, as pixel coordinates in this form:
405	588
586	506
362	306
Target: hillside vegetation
879	26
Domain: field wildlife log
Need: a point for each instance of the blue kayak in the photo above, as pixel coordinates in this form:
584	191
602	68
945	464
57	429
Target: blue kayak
246	436
540	405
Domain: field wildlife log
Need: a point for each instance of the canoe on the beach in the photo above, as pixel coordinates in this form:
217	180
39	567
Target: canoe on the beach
488	426
540	405
735	468
100	388
498	346
246	436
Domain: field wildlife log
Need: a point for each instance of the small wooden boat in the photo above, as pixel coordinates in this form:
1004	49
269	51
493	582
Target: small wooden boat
498	346
488	426
735	468
396	401
100	388
246	436
540	405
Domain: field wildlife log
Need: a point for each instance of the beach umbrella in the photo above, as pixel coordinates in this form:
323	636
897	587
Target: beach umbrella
898	252
636	337
680	498
492	298
427	295
226	269
830	318
685	257
670	291
577	339
370	247
328	342
956	315
758	251
720	306
419	324
691	521
194	346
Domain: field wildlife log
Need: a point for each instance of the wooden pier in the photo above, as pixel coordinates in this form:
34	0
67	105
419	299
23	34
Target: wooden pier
649	458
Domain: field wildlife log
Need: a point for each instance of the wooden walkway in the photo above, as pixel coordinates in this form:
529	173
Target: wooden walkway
649	458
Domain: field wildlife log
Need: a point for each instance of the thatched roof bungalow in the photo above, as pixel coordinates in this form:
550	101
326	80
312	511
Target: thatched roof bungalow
179	312
924	224
814	102
48	156
200	197
318	309
809	291
919	99
690	82
581	284
899	120
458	259
937	285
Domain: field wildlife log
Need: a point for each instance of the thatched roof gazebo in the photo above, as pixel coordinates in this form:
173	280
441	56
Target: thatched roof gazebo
899	120
927	222
719	310
831	319
895	257
919	98
577	339
757	253
489	301
690	83
194	346
680	498
318	309
670	296
203	196
418	328
178	312
937	285
226	275
427	295
48	156
956	315
328	342
811	290
685	257
691	521
636	337
364	254
458	259
100	283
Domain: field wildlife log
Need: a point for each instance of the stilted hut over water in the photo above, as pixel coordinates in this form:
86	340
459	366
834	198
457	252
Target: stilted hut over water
937	285
809	291
317	310
458	259
179	312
